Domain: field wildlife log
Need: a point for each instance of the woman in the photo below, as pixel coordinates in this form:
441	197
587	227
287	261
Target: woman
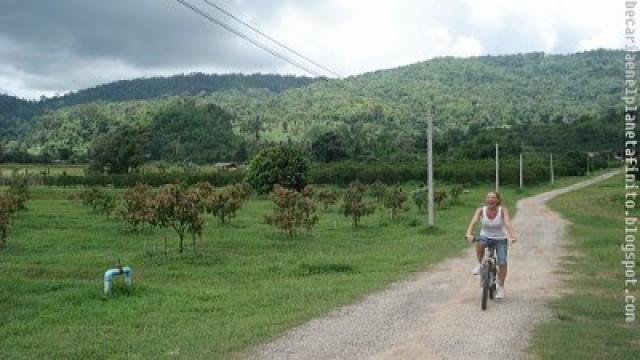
495	218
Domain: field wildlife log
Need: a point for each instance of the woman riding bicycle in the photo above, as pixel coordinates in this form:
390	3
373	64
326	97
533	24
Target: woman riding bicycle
494	218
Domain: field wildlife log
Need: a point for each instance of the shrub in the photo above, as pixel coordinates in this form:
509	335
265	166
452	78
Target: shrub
354	203
294	210
278	165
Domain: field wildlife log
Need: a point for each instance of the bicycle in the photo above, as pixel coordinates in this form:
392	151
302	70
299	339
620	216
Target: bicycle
488	274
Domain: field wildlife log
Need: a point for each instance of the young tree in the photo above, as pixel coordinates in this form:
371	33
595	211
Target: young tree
99	201
8	208
378	190
180	209
327	198
224	203
294	210
354	203
395	202
455	193
19	189
420	197
138	206
439	196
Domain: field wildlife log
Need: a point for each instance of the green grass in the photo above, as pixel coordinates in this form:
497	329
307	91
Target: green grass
245	284
589	322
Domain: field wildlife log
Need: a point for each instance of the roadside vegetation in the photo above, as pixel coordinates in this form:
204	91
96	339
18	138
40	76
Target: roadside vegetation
588	321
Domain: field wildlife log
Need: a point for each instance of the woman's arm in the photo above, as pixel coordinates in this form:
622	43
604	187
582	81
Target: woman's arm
473	222
507	223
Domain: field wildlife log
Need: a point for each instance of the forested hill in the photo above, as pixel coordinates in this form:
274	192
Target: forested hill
478	92
190	84
151	88
376	114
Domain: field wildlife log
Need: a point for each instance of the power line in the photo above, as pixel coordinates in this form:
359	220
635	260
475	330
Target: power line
253	28
247	38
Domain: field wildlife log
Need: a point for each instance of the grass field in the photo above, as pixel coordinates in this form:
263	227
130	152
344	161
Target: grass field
245	284
589	321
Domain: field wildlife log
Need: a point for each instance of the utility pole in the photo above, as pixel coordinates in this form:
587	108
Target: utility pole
553	181
588	158
430	164
521	181
497	169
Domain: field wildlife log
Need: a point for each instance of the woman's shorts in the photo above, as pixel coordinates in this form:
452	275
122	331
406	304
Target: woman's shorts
499	244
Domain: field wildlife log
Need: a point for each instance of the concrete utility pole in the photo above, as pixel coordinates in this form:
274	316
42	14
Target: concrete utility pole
430	165
521	181
588	158
553	180
497	169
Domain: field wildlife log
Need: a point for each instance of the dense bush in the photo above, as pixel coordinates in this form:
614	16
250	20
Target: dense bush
280	165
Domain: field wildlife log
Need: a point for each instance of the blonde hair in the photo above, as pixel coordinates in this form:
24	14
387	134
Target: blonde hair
497	195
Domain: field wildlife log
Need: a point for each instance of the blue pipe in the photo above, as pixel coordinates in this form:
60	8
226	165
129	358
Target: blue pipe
109	274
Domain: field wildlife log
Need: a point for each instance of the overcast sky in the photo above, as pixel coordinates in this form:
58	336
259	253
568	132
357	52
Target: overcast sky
55	46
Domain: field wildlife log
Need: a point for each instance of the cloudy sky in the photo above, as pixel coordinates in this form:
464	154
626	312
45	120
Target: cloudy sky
55	46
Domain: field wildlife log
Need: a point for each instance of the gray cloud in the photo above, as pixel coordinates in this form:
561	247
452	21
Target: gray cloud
57	46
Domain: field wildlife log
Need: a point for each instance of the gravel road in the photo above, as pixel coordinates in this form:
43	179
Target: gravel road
436	313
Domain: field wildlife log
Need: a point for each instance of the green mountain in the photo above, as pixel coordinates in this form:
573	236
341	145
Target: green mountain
14	110
376	114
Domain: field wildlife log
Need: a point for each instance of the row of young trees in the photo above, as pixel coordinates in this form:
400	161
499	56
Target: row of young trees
295	211
177	207
11	202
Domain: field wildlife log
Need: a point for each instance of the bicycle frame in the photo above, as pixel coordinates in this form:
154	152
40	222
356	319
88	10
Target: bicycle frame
488	273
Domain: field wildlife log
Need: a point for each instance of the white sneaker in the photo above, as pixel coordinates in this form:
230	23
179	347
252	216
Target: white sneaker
499	292
476	270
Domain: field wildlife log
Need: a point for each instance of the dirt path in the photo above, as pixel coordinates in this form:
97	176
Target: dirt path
436	314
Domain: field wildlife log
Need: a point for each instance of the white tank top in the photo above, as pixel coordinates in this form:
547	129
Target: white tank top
492	228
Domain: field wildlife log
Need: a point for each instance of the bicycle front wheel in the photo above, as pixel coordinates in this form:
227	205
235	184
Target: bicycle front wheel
485	296
486	285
